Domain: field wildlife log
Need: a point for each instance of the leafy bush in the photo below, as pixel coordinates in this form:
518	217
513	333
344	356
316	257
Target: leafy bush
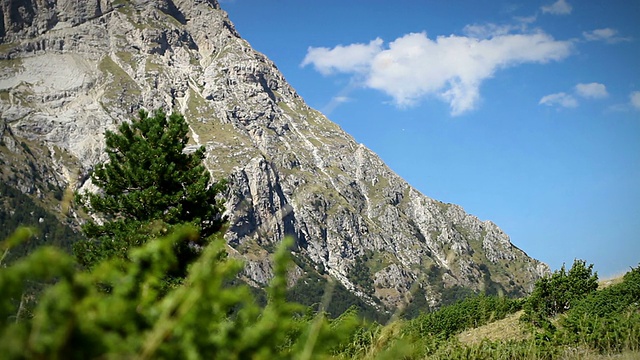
607	320
558	293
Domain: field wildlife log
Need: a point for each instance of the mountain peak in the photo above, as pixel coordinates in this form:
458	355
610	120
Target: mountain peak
72	71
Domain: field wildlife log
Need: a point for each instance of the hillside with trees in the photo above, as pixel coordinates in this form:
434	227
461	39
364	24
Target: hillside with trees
141	297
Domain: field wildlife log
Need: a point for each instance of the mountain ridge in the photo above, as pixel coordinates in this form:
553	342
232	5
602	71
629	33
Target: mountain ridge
69	72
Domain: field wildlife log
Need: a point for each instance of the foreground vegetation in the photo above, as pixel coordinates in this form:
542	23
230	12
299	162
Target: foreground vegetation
121	309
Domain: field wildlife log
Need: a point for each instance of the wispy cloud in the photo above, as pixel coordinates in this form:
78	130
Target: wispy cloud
487	31
607	35
560	99
334	103
341	99
631	105
592	90
452	68
560	7
634	99
525	20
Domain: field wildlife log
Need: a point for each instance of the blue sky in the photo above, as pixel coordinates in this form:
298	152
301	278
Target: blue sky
524	113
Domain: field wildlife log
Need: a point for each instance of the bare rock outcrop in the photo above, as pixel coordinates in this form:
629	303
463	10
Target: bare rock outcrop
70	70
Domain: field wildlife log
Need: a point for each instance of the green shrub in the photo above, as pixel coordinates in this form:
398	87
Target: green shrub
558	293
607	320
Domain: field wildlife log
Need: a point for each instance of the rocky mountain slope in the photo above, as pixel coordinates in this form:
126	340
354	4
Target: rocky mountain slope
69	70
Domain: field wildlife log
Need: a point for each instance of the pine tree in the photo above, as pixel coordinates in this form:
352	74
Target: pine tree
148	185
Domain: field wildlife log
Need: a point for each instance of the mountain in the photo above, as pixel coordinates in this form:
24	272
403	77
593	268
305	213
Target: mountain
70	70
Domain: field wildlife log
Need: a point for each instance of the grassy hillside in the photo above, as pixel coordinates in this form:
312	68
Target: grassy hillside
511	330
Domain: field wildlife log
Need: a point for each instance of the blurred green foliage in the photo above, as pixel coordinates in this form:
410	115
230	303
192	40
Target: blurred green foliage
121	309
118	309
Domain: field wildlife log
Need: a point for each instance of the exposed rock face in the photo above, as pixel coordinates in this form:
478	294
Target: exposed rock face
72	69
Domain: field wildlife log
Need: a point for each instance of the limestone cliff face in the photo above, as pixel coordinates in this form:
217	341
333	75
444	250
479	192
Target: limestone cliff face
70	70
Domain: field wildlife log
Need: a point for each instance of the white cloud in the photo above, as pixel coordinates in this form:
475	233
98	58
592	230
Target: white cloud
561	99
633	104
451	68
526	19
335	102
341	99
607	35
560	7
592	90
487	31
588	91
634	98
350	58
